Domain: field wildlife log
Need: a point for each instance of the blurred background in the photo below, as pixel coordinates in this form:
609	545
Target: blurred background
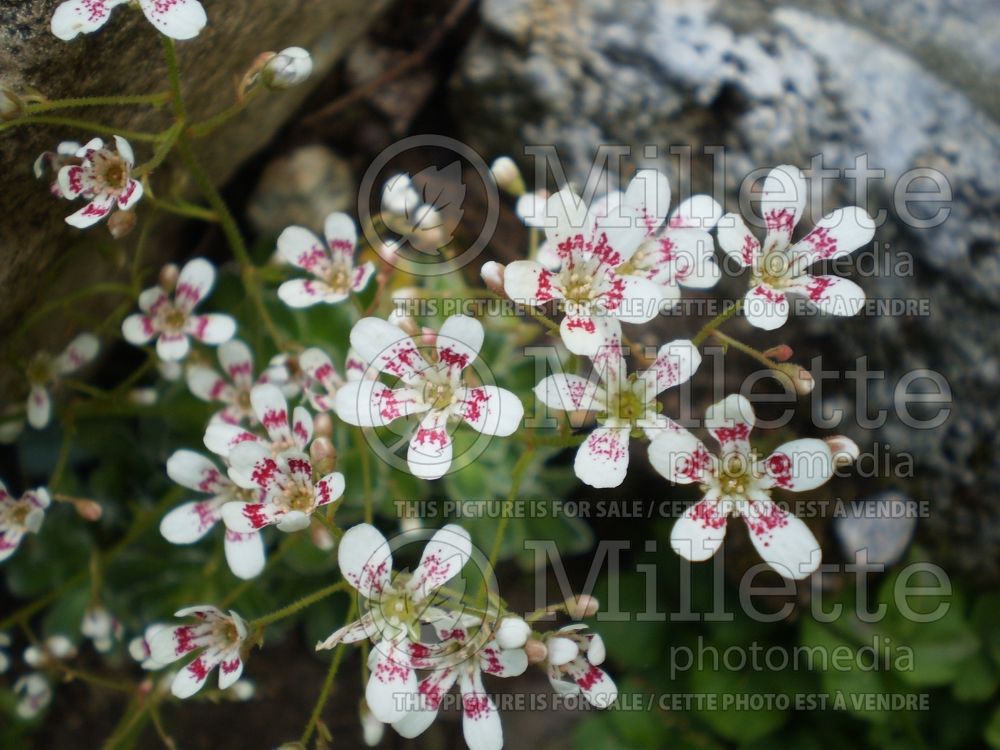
905	86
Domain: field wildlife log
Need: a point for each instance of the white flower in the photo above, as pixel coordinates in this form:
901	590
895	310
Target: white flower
100	626
140	650
34	693
283	370
399	197
393	609
459	658
324	379
288	68
404	212
4	657
434	389
625	405
190	521
507	176
220	636
207	384
104	178
53	161
45	371
271	409
682	253
179	19
331	263
736	483
54	648
574	665
512	632
590	245
19	517
289	492
778	268
171	320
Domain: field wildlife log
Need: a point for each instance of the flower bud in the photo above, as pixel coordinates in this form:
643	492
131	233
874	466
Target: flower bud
799	378
323	425
288	68
562	651
507	176
168	277
779	353
428	336
142	396
323	455
243	690
492	273
845	451
10	105
88	510
579	607
536	651
321	537
512	632
120	223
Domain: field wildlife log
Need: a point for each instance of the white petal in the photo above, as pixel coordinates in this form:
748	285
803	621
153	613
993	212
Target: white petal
130	195
307	292
798	465
584	335
431	692
208	385
237	360
271	408
569	393
392	686
680	457
212	328
192	678
245	554
529	283
459	341
480	720
92	213
837	234
697	534
189	522
80	351
737	241
445	555
830	294
595	684
365	559
230	669
782	540
490	410
172	347
730	422
602	460
303	249
765	307
179	19
194	283
430	451
39	407
640	213
697	212
783	199
634	299
675	363
341	237
561	651
387	348
81	17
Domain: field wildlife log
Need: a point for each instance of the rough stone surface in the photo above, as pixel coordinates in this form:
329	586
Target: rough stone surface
909	84
124	58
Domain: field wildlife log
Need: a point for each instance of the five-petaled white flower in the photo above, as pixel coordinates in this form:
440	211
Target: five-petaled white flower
736	483
34	693
332	264
178	19
461	657
324	380
19	517
172	320
104	178
101	627
682	253
393	609
289	492
624	405
574	665
271	408
778	268
209	385
190	521
44	372
220	636
590	245
434	388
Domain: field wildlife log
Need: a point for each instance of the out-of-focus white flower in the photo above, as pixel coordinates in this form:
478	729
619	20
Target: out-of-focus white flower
100	626
207	384
34	693
574	665
331	263
19	517
178	19
44	372
778	267
288	68
55	647
218	635
171	319
324	378
507	175
104	178
139	648
244	690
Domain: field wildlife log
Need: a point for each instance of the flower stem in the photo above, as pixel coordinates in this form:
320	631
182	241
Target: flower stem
297	605
324	692
88	125
182	209
98	101
205	127
715	322
174	71
517	474
746	349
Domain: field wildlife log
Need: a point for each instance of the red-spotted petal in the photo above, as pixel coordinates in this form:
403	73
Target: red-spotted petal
490	410
602	460
765	307
178	19
697	534
782	540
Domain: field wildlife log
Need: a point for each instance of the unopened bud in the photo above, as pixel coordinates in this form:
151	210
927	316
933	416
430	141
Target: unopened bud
799	378
845	451
88	510
323	425
323	455
779	353
168	277
404	322
512	632
288	68
582	606
536	651
143	396
252	76
10	105
507	176
492	273
428	336
120	223
321	537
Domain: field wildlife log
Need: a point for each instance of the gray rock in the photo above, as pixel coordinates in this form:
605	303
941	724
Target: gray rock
909	84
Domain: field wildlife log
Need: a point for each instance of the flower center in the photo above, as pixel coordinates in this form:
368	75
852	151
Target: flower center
111	171
173	319
298	496
40	370
578	286
339	278
735	476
